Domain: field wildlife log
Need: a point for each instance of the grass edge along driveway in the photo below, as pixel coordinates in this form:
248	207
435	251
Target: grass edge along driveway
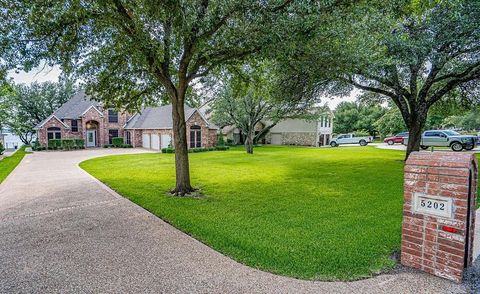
310	213
8	164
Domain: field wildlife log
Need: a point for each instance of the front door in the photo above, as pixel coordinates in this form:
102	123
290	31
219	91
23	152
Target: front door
91	138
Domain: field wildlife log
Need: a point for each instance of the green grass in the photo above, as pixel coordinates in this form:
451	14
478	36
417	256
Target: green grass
323	214
8	164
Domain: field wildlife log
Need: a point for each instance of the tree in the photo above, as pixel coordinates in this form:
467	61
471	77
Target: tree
132	52
415	56
390	123
29	105
354	116
251	95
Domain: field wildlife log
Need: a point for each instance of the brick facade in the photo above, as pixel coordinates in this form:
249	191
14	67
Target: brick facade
209	136
91	115
432	243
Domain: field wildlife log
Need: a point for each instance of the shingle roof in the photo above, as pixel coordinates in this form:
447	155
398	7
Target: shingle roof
73	108
158	118
76	106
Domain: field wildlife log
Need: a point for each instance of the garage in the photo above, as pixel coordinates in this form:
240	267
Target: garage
146	141
155	144
276	139
166	140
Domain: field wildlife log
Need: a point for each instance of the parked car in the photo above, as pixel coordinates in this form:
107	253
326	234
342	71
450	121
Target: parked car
350	139
446	138
398	138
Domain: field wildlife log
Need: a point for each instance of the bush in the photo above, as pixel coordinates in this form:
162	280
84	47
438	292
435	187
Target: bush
54	144
80	143
107	146
168	150
230	142
127	146
117	141
67	144
222	148
1	148
221	140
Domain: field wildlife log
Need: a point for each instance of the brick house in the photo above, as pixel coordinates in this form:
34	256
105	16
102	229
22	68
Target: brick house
83	118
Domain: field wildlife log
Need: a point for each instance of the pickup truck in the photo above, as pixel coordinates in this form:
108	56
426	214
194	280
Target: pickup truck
446	138
350	139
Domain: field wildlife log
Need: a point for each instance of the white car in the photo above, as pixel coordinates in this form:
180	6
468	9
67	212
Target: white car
350	139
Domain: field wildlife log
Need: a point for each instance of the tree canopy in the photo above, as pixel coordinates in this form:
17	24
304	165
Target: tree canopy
413	55
132	52
27	105
356	116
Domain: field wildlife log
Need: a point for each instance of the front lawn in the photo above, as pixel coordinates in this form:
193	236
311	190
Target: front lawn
8	164
323	214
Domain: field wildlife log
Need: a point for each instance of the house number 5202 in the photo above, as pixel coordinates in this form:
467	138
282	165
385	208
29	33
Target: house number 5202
432	204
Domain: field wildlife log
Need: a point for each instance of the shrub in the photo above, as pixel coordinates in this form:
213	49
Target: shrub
68	144
54	144
1	148
222	148
168	150
117	141
80	143
107	146
127	146
221	140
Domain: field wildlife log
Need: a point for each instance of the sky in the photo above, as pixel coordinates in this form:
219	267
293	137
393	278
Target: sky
43	74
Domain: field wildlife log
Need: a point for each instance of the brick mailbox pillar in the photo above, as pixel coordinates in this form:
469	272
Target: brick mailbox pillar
439	212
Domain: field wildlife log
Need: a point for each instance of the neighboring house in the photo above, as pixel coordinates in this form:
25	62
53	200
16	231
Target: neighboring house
83	118
9	140
296	131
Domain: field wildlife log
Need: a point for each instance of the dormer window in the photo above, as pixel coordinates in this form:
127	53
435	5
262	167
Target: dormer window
112	116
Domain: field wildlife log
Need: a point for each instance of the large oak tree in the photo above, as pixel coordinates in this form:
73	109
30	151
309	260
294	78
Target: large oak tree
130	52
414	56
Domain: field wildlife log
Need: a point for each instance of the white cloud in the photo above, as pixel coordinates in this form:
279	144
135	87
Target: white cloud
38	74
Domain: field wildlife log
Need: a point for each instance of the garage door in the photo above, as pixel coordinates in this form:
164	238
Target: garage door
155	142
276	139
146	141
166	140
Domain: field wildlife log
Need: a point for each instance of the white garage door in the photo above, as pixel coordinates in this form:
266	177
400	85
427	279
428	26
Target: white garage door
155	142
146	141
166	140
276	139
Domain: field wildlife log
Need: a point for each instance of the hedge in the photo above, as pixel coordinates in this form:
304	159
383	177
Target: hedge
117	141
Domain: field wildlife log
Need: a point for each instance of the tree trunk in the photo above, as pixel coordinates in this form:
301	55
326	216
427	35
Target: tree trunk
249	142
182	167
416	124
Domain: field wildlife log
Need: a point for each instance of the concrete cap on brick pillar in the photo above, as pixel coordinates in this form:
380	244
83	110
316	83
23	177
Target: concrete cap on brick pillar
439	212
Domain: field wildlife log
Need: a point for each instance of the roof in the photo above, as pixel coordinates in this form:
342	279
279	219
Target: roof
160	118
49	118
76	106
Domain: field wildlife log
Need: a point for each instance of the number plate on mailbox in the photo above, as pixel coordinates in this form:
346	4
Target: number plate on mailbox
434	205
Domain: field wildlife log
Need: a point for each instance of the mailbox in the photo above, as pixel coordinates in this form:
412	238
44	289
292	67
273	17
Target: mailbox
440	191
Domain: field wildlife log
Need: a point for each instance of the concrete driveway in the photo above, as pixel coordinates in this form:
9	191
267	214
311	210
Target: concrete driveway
62	231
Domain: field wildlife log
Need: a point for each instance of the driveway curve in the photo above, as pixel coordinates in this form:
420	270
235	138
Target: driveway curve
63	231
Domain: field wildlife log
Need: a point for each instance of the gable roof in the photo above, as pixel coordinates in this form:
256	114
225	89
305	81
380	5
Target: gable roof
49	118
76	106
160	118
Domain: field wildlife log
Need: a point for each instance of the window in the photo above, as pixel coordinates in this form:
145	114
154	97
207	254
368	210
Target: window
128	138
321	121
112	116
54	133
74	125
112	134
329	122
195	137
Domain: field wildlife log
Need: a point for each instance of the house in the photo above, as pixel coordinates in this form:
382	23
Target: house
83	118
290	131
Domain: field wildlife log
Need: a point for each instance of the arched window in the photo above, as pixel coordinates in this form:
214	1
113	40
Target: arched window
195	137
54	133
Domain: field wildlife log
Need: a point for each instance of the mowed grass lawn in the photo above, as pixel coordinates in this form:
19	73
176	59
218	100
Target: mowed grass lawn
322	214
8	164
